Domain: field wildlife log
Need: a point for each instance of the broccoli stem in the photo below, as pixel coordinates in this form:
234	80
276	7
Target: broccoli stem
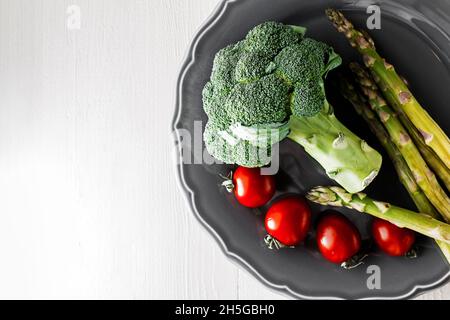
403	218
393	87
299	29
346	158
405	175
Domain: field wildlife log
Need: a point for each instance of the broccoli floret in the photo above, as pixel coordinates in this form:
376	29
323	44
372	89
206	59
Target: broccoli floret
223	146
270	37
322	54
303	60
223	72
304	66
209	98
213	102
259	102
308	98
271	85
252	66
316	49
215	144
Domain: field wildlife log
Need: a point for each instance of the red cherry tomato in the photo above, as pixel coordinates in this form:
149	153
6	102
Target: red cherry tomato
251	188
337	238
288	220
391	239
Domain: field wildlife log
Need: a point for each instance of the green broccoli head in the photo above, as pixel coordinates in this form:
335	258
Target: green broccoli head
271	37
256	85
270	86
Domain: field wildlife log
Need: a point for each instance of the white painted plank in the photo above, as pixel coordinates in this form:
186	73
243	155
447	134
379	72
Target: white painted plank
251	288
90	206
438	294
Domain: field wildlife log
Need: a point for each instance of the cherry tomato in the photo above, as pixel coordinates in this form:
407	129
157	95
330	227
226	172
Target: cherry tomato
288	220
251	188
337	238
391	239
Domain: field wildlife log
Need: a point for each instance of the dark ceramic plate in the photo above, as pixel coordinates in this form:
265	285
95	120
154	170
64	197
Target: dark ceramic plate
414	36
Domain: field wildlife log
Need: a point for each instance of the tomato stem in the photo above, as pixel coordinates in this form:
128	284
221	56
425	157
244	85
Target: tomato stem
358	258
274	244
354	261
228	182
412	253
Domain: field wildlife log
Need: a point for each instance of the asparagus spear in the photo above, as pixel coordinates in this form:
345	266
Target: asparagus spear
439	168
424	177
403	218
393	87
436	164
405	175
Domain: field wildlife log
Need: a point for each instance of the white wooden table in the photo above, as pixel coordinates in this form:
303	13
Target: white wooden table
89	203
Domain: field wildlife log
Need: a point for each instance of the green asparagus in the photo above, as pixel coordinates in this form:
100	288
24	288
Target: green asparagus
393	87
436	164
424	177
403	218
405	175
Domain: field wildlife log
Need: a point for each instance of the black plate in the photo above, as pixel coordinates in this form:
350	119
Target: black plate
414	36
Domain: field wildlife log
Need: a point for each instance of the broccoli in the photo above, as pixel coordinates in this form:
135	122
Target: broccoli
270	37
270	86
258	102
253	65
